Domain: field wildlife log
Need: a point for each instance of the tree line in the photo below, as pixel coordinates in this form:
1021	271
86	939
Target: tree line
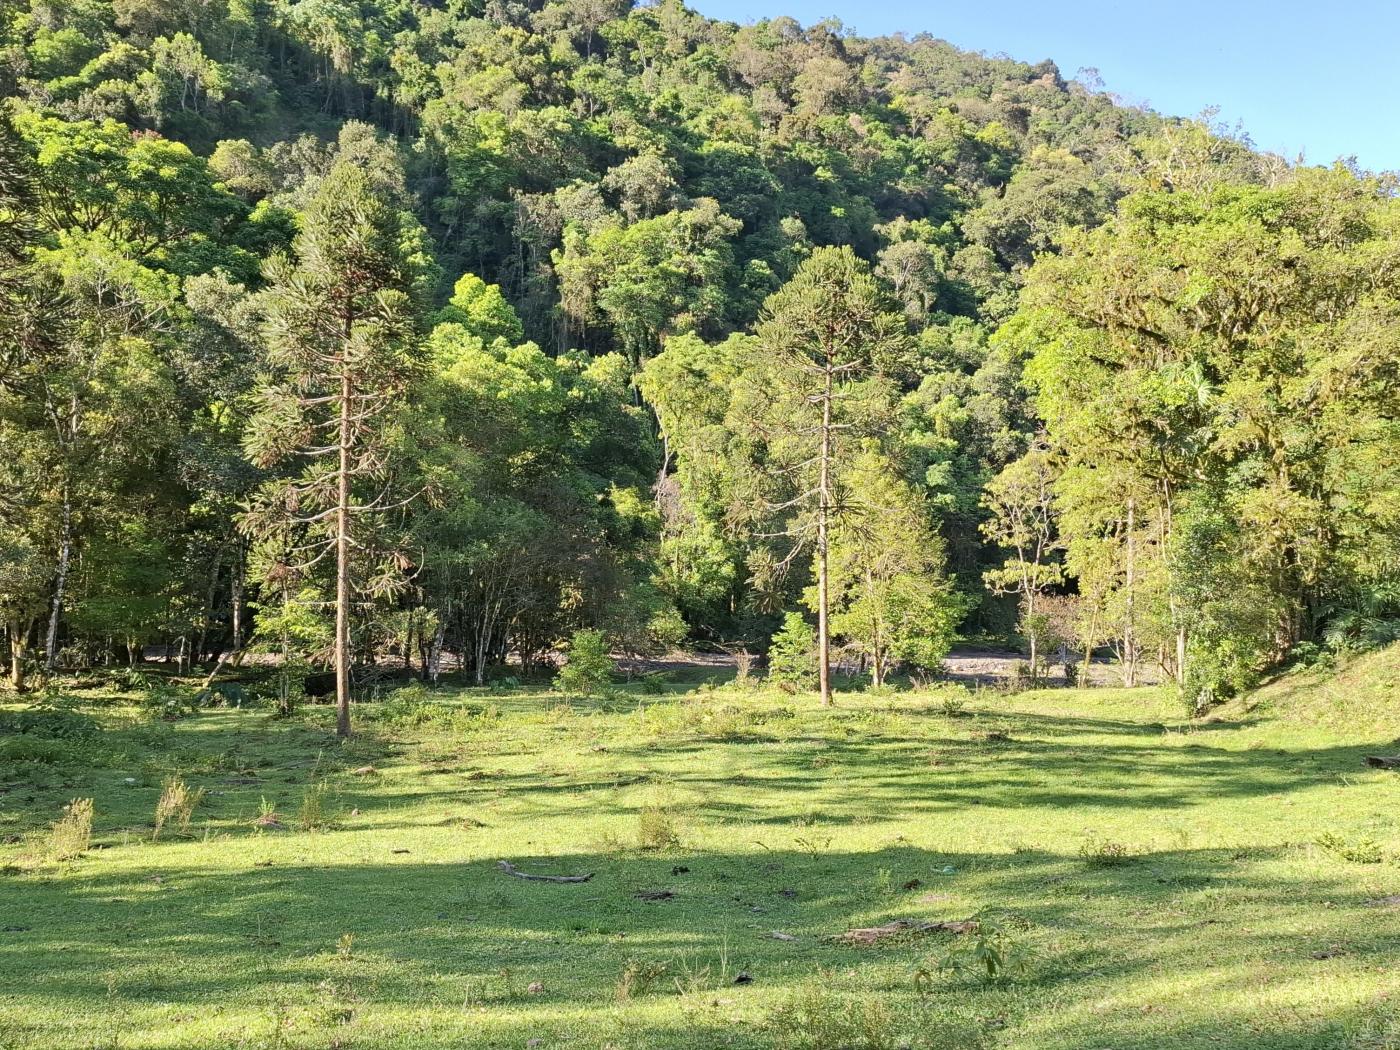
431	335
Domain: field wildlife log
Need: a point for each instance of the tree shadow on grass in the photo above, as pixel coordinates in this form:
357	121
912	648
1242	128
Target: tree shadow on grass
450	949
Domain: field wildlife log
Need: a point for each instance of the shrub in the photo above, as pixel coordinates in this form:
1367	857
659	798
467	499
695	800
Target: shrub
743	667
169	703
1020	677
653	683
590	666
988	952
637	976
409	705
177	804
792	655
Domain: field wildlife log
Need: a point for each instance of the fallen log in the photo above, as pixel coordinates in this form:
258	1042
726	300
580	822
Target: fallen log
511	869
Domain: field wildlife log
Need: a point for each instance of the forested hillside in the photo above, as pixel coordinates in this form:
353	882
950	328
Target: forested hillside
428	333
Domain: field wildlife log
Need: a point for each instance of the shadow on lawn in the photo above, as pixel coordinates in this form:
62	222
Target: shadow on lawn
1045	759
446	940
922	766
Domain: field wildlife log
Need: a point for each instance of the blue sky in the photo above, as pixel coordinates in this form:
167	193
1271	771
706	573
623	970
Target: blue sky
1322	78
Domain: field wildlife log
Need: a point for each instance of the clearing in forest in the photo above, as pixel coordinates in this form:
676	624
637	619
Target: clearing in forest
1134	879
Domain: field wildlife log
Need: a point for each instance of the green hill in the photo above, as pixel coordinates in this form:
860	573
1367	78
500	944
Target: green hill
1361	693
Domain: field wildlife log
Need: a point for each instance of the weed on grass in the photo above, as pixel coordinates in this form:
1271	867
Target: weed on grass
70	837
176	806
814	1017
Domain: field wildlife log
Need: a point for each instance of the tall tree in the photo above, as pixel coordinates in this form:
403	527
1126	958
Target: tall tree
829	339
1022	507
340	346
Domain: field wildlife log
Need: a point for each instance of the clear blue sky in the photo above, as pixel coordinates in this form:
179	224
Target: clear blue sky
1316	77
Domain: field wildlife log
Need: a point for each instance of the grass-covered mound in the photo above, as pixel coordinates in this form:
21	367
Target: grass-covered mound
1359	693
1139	881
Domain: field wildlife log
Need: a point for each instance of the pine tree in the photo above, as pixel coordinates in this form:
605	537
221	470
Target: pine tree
830	338
339	335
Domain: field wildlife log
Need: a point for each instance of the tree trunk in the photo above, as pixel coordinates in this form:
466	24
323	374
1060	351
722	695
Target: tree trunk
1035	658
1181	656
65	552
18	640
236	598
342	568
434	659
823	506
1129	626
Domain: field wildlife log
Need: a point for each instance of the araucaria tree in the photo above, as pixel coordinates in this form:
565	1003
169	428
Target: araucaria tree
340	344
829	341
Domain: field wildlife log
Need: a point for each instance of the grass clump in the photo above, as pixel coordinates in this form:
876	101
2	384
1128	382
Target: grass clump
71	835
1106	853
176	806
815	1017
1357	851
657	827
315	807
637	977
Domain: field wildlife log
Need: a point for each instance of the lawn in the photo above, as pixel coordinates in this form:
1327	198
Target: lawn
1146	882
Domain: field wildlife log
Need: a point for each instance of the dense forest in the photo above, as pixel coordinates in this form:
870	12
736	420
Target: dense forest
434	335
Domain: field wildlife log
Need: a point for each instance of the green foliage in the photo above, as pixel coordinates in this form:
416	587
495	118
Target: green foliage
792	654
1105	853
589	667
656	827
1052	365
990	952
814	1017
1357	851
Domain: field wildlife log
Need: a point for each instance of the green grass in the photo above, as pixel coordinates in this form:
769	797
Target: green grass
1156	884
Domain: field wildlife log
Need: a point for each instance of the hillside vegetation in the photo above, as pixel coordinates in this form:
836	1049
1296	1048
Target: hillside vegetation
432	335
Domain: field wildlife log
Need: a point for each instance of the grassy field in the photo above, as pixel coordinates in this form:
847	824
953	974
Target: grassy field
1146	882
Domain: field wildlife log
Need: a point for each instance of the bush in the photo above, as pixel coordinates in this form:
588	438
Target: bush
653	683
637	976
989	953
169	703
408	705
792	655
590	666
